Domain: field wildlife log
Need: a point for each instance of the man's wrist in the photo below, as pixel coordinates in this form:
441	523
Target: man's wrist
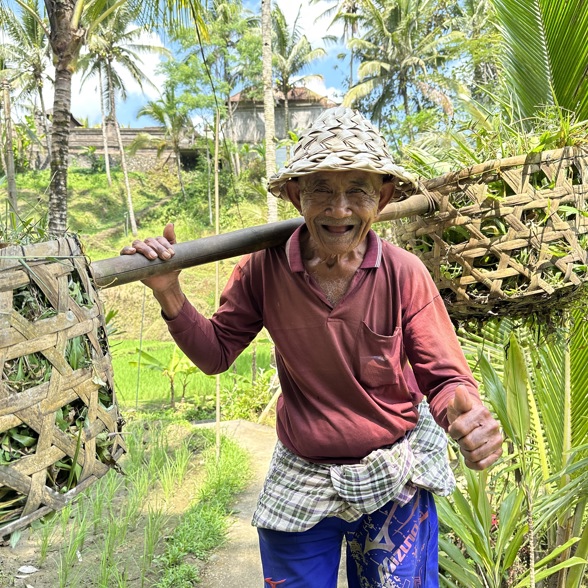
171	301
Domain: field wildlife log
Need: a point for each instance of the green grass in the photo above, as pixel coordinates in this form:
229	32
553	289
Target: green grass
204	525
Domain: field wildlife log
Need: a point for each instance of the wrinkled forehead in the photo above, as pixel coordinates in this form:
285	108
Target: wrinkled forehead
341	179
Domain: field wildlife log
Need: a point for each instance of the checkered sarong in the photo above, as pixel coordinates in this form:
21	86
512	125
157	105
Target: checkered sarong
297	494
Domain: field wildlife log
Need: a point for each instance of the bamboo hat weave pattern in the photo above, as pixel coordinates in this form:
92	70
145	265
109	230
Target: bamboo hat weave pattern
339	139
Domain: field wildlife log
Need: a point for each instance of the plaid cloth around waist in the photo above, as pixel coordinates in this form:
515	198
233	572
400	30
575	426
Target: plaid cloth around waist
297	494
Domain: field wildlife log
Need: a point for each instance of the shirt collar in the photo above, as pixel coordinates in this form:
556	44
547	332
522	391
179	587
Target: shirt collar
372	257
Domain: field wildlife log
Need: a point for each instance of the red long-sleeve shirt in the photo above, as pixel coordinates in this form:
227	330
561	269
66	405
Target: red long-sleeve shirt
345	371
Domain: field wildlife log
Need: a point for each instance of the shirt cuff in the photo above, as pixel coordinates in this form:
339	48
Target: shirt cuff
180	322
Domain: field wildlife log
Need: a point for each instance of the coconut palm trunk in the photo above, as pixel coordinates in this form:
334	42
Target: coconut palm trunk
104	129
123	160
10	174
66	39
268	104
45	126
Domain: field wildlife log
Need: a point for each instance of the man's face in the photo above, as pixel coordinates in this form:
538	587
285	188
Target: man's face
339	207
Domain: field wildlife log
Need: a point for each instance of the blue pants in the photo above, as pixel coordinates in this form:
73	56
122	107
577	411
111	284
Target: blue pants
395	547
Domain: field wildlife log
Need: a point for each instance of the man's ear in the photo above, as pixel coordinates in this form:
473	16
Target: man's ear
293	192
386	193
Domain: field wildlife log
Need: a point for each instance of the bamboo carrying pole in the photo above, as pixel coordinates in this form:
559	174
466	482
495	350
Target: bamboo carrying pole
123	269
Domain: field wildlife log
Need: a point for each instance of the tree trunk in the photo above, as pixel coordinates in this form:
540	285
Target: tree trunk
45	126
233	136
9	153
66	39
123	160
268	105
172	393
104	128
287	122
179	170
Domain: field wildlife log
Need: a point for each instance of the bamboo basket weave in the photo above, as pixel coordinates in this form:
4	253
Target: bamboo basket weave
509	236
59	422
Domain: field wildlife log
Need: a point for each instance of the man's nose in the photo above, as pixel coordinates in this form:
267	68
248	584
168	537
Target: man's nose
339	204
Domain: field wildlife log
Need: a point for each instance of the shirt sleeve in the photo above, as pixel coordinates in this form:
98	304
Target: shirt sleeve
432	347
214	344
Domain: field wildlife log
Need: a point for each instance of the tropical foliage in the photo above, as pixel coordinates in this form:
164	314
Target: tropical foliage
525	522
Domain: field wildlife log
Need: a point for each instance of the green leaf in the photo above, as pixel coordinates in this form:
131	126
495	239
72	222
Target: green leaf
510	517
516	381
24	440
465	576
496	394
539	576
545	54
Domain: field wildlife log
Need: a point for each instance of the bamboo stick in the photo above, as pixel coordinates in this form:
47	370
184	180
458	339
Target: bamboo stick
123	269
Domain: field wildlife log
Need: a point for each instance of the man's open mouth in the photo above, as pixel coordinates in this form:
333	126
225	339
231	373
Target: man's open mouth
338	229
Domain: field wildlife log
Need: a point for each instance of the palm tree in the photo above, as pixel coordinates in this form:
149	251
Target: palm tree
28	53
347	12
545	54
112	46
268	104
6	76
402	44
235	33
67	32
172	115
292	53
227	59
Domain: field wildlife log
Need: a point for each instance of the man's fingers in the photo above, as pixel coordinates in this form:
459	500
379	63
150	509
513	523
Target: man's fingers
169	233
484	462
154	247
128	250
461	403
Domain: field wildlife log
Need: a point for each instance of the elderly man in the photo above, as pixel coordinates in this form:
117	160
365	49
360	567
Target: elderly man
361	337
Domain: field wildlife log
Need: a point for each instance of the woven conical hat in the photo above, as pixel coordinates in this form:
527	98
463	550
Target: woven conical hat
339	139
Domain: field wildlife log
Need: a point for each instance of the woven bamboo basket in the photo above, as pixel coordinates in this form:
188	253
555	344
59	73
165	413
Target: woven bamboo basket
509	236
59	422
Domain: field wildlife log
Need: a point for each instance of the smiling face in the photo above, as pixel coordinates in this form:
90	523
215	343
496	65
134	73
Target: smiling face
339	207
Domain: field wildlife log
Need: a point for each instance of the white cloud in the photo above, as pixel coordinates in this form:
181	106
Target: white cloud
312	24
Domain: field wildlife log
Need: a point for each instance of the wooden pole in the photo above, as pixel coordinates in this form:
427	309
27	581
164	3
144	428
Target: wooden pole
123	269
217	279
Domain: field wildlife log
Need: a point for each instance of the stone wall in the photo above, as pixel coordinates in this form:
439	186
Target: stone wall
85	144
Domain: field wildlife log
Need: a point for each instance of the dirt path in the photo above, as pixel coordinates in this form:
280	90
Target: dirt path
236	564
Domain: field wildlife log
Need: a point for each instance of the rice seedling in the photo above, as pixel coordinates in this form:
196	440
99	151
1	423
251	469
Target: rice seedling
156	519
114	540
167	478
182	461
112	484
119	577
136	494
109	546
81	524
65	515
46	529
68	557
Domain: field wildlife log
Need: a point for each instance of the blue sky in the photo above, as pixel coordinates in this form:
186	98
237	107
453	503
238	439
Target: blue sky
85	101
